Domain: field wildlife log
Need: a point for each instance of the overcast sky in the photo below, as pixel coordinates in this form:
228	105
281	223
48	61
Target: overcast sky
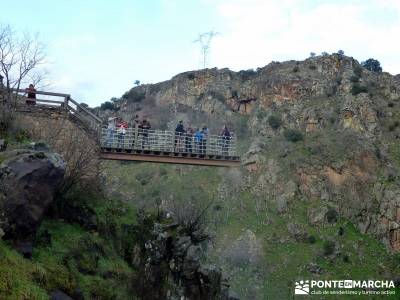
97	49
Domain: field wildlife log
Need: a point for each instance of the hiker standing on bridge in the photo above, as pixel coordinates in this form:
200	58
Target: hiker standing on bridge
205	132
179	132
198	138
189	140
122	126
144	128
136	123
225	139
31	97
110	131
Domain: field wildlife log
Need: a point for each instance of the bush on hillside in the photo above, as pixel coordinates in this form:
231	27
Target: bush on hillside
293	135
247	74
328	248
392	126
311	239
372	65
358	89
331	216
274	121
354	78
107	105
358	71
134	96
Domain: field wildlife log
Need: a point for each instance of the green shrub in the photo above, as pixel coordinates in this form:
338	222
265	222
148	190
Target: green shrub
358	71
312	67
274	121
372	65
247	74
331	215
358	89
21	136
354	78
107	105
341	231
311	239
392	126
134	96
293	135
295	69
190	76
261	114
328	248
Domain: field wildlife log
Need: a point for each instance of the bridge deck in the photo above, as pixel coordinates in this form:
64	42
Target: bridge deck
170	157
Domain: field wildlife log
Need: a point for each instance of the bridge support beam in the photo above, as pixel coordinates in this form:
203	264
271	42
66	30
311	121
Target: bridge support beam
169	159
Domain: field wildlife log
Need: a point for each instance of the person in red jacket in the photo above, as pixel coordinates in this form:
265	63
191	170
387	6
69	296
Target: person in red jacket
121	129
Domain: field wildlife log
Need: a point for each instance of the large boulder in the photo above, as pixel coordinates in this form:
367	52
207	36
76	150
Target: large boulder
28	182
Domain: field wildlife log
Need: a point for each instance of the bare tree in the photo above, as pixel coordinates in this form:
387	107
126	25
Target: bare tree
204	40
20	59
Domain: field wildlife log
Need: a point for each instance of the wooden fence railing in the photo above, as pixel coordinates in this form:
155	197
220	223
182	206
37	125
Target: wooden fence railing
65	102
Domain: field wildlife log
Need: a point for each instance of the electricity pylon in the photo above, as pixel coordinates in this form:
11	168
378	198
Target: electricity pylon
204	40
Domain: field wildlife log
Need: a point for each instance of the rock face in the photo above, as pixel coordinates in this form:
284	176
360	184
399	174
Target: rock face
28	183
348	118
171	265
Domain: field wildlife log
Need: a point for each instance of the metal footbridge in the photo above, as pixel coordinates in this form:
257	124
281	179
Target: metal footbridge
136	144
168	147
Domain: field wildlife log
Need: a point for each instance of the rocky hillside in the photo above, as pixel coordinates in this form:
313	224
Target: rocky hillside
318	193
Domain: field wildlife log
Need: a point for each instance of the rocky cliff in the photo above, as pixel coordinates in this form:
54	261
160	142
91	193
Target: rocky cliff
346	117
318	192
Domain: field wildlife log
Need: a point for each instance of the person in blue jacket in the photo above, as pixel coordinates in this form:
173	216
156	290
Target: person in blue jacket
198	139
205	133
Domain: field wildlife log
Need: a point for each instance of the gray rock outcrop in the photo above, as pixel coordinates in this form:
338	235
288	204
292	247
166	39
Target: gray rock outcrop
28	182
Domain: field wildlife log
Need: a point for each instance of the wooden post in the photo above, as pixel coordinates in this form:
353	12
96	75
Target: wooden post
66	102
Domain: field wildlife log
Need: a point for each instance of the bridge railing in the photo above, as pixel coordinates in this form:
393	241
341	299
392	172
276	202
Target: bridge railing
167	141
64	102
